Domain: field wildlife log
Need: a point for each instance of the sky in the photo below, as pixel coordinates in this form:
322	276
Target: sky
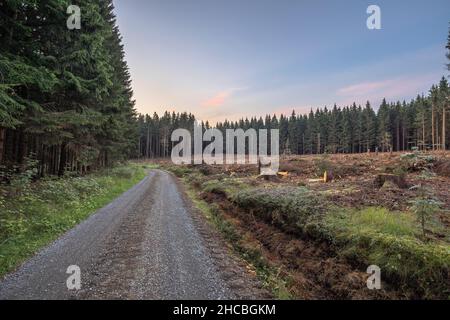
228	59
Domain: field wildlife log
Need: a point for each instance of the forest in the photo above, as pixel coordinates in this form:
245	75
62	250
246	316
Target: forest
66	101
65	95
419	124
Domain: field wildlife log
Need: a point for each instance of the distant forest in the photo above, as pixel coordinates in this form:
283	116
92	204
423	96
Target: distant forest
66	101
421	123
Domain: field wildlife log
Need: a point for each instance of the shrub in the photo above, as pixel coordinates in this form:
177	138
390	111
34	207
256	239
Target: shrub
179	171
20	177
86	186
57	191
323	164
416	161
214	186
226	187
123	172
195	179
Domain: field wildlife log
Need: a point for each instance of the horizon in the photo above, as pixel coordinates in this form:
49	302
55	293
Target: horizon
266	58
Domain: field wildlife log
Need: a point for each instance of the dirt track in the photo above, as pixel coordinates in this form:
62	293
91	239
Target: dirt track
147	244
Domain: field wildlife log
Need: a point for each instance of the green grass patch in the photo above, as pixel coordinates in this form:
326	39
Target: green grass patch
392	240
373	219
48	208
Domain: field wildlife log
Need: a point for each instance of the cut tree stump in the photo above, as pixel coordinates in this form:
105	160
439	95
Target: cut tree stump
399	181
267	177
328	176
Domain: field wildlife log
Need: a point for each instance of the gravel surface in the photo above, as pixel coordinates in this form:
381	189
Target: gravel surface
147	244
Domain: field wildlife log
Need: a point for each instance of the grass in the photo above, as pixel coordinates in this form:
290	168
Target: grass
373	219
46	209
392	240
269	275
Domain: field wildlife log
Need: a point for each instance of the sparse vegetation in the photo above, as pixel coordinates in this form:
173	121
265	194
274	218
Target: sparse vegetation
358	221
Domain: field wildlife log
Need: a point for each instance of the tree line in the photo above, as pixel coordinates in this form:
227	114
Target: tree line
400	126
65	95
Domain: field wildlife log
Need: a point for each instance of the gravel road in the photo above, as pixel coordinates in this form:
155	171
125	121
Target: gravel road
147	244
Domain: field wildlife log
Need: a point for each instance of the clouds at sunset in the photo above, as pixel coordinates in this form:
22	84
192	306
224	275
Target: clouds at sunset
216	101
220	98
391	89
194	56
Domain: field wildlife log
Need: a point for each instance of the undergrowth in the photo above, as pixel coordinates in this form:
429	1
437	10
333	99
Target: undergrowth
43	210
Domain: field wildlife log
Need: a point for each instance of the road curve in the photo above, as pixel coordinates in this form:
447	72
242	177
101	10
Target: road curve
143	245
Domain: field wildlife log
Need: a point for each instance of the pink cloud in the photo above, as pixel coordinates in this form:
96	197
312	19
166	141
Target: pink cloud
220	98
364	88
391	89
217	100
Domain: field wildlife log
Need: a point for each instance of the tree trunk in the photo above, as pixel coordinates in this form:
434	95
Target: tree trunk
432	128
148	142
318	143
62	160
21	150
443	128
423	132
106	158
438	137
2	141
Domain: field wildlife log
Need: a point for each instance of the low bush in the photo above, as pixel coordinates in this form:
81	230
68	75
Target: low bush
179	171
123	172
214	186
223	186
